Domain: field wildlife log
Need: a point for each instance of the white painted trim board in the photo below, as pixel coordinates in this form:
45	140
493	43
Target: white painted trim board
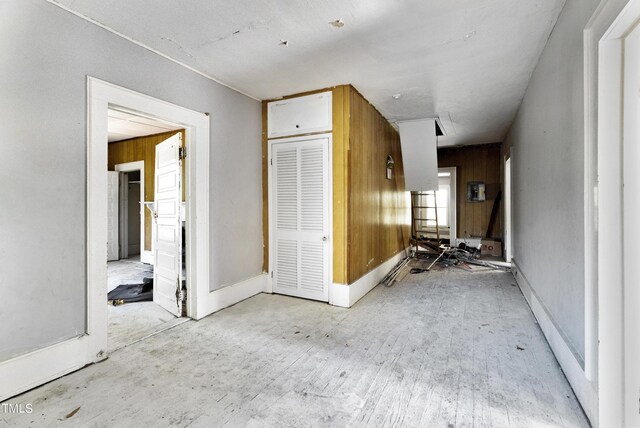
617	339
585	391
347	295
231	294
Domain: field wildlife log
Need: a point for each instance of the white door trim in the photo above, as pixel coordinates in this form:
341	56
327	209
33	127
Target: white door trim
145	256
329	137
608	100
102	96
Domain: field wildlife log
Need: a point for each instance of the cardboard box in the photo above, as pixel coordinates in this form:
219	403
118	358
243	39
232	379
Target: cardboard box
491	248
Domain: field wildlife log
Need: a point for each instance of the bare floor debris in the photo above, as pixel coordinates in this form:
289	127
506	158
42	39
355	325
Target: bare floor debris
71	413
437	349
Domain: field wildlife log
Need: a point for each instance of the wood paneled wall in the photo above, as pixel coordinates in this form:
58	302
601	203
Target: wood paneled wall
476	163
340	177
143	149
378	208
369	211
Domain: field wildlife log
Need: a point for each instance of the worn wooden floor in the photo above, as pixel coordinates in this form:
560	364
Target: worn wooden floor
441	349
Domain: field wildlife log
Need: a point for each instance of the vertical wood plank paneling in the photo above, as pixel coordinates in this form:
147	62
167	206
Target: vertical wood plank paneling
340	177
377	207
143	149
475	163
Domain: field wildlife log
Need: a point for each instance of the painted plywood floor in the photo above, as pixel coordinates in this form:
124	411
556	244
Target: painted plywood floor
441	349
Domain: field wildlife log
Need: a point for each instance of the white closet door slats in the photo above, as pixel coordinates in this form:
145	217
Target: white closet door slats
301	208
312	189
287	189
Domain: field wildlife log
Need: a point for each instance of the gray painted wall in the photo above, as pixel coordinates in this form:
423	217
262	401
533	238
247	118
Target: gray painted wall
547	137
45	55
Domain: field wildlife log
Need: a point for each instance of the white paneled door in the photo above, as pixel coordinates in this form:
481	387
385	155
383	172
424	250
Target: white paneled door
168	237
300	218
112	215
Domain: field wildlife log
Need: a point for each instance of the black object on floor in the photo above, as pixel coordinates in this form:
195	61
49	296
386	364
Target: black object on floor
128	293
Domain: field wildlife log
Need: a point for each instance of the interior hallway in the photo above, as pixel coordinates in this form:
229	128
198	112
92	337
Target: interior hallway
443	348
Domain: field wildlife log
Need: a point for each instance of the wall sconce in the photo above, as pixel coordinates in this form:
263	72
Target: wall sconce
390	164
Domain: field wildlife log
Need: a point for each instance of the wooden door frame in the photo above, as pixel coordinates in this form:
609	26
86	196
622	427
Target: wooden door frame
329	138
131	167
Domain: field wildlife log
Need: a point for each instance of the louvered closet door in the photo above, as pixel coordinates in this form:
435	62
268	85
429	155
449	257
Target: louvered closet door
300	210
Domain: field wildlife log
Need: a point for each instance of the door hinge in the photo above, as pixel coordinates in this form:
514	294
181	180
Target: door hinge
179	293
271	274
182	152
271	161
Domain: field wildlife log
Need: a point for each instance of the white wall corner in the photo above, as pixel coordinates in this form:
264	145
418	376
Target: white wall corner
347	295
231	294
584	389
268	283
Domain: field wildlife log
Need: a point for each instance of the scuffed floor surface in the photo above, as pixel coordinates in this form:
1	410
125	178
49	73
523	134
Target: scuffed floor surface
131	322
441	349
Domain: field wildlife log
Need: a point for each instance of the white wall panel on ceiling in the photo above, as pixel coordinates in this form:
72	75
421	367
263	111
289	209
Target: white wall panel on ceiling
419	154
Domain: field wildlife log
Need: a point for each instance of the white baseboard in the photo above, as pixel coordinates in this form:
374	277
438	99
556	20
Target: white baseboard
28	371
234	293
570	363
347	295
339	295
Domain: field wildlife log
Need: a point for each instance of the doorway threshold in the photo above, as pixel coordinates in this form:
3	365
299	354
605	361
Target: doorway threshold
122	340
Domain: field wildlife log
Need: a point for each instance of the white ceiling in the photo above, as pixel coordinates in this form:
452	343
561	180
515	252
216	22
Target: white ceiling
466	61
122	126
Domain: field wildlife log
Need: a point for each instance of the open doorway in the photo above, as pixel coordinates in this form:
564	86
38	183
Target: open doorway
43	365
145	251
508	228
434	214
